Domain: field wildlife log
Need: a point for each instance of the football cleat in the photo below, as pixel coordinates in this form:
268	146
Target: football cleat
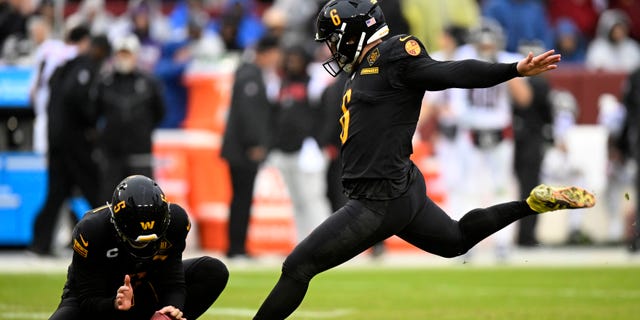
545	198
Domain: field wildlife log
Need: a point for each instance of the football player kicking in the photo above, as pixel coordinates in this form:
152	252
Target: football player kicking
127	261
387	195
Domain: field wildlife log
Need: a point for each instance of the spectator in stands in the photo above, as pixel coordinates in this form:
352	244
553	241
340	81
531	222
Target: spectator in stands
175	57
46	10
14	15
298	30
229	28
148	28
294	148
92	13
72	127
183	12
245	141
523	21
612	50
170	69
427	18
239	25
129	106
146	21
632	9
583	14
570	42
275	22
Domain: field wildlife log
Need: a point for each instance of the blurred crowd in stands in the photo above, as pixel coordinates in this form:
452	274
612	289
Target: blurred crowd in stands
583	30
171	39
173	35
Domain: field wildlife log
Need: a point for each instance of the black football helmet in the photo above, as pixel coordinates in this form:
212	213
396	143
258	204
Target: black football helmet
346	26
140	215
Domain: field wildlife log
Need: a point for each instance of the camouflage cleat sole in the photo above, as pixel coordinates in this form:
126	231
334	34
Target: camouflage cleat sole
544	198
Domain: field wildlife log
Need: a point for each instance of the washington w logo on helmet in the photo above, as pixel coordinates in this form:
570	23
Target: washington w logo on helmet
146	225
346	26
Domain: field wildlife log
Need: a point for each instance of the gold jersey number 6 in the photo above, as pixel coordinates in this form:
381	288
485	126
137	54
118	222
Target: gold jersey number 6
344	120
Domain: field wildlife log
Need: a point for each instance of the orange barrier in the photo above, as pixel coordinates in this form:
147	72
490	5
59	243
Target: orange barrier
208	175
192	174
171	172
271	229
208	99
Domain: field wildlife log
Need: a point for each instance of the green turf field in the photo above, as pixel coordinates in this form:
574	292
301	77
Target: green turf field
381	294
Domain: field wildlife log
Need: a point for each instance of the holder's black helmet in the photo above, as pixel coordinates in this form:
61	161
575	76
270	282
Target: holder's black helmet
346	26
140	215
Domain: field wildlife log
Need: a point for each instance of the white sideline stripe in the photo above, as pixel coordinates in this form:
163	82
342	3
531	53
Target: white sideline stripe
240	312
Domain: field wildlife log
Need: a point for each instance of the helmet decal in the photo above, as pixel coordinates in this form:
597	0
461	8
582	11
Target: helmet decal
119	206
146	225
335	18
370	22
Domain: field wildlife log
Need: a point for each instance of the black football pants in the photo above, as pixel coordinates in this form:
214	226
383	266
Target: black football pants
68	169
242	181
205	277
360	224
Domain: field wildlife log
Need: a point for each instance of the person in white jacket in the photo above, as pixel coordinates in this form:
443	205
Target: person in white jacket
612	49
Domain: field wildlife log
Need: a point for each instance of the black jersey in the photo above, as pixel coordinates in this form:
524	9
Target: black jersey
100	263
381	104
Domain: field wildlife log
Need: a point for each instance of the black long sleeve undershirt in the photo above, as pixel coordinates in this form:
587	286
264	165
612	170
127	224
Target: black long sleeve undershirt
433	75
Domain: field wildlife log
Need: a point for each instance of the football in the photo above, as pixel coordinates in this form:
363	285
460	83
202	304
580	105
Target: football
160	316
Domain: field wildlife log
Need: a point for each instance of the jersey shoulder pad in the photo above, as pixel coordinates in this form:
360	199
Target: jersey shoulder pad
92	231
404	46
